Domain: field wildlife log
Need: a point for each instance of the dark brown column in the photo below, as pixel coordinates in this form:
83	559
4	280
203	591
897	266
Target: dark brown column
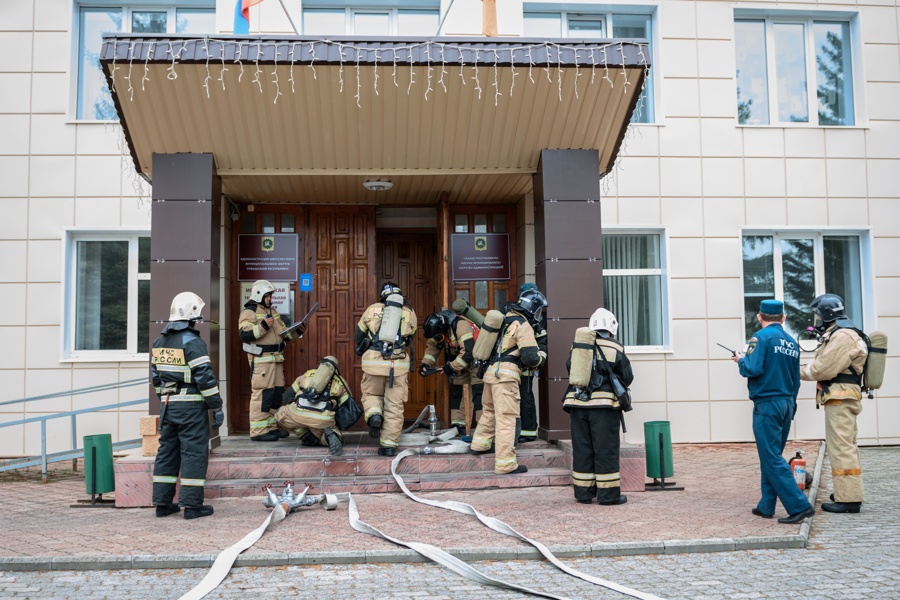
184	243
568	266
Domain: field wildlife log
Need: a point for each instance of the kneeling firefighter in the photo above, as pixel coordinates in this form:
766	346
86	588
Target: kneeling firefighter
505	345
455	336
310	404
183	378
383	337
594	408
260	328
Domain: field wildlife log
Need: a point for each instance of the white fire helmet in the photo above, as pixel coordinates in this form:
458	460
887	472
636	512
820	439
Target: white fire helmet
186	306
603	320
260	289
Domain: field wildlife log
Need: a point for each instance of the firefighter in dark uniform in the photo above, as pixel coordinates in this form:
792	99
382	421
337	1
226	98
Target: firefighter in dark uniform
183	377
516	350
837	367
260	328
529	424
772	369
455	336
595	419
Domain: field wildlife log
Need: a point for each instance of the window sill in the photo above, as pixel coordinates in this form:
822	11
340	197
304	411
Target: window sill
631	350
805	126
90	122
108	358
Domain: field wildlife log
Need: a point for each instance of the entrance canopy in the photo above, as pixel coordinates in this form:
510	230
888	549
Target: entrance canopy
302	119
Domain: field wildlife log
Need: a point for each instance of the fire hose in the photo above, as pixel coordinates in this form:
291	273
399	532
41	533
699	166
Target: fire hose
457	565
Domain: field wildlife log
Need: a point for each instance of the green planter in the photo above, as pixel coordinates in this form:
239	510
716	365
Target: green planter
658	452
98	464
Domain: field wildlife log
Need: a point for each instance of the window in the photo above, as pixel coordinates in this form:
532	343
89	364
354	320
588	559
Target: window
633	287
777	60
93	100
370	21
597	25
108	295
796	268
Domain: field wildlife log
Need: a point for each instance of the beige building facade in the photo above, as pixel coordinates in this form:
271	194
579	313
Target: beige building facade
734	183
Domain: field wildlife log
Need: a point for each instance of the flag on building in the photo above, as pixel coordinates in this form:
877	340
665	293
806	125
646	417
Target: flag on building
242	15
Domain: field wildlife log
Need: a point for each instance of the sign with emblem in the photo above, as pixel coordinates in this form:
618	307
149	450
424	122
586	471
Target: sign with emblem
479	256
270	256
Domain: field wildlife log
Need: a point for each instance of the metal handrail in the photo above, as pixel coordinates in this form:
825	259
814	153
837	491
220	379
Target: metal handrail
87	390
19	463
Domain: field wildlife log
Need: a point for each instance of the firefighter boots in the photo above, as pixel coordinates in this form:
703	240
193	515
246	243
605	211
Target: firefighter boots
375	422
335	445
194	512
164	510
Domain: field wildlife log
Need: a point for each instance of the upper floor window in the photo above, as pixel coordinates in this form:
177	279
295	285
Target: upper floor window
597	25
634	287
797	267
94	102
108	295
373	21
778	60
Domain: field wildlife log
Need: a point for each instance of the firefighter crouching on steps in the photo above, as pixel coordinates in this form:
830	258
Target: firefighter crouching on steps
260	328
516	348
383	338
183	377
447	331
309	406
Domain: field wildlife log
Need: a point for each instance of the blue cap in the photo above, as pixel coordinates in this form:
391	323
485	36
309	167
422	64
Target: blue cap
527	286
771	307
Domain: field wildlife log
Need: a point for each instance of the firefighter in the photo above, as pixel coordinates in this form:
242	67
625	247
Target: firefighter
516	349
455	336
260	328
837	367
383	339
595	416
538	322
183	378
310	404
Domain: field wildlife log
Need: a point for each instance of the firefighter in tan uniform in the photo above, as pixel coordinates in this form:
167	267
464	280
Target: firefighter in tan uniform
516	349
455	336
837	367
310	404
383	337
260	328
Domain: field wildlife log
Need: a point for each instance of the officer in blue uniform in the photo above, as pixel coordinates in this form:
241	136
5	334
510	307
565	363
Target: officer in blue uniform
771	367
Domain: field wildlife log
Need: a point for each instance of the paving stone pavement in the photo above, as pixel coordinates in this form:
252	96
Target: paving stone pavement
848	557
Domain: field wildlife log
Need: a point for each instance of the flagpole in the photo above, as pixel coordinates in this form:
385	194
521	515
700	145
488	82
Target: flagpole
288	16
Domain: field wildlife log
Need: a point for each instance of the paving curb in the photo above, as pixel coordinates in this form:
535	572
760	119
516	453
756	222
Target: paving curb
179	561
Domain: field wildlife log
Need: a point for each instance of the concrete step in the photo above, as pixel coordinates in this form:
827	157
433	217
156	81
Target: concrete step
371	484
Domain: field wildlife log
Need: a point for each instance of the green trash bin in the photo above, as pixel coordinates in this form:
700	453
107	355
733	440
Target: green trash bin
98	464
658	451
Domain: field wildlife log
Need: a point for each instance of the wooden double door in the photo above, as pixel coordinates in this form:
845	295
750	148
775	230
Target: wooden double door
338	245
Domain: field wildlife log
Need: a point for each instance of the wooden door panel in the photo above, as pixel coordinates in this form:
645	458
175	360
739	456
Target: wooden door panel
337	245
409	261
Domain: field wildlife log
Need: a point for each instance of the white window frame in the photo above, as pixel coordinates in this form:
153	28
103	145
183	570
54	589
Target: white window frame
662	272
350	11
867	290
72	237
606	16
807	20
127	10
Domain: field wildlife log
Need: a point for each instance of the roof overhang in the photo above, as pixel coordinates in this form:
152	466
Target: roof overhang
300	119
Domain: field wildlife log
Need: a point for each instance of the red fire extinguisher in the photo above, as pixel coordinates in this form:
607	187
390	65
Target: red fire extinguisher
798	469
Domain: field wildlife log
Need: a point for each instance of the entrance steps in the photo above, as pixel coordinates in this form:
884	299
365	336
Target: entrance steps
240	467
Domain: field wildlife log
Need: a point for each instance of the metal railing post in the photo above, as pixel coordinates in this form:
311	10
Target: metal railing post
74	445
44	450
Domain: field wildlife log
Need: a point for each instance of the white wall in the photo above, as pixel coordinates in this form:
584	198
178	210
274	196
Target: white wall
694	173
